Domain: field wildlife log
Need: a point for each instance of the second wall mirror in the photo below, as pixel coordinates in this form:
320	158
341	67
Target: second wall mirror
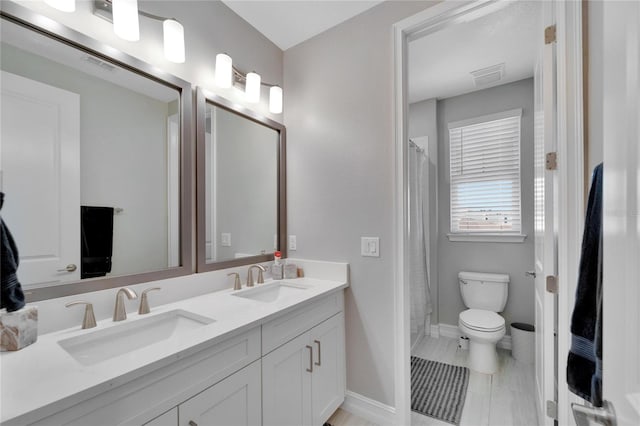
241	212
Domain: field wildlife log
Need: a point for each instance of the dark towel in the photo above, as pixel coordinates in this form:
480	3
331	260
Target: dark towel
11	296
584	365
97	241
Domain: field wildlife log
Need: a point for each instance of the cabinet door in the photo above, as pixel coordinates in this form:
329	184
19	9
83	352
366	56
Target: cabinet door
286	384
170	418
235	401
328	380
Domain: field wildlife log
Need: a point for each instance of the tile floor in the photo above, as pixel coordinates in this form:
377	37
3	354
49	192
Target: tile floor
506	398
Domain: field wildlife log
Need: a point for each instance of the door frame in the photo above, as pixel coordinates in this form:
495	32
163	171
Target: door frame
570	193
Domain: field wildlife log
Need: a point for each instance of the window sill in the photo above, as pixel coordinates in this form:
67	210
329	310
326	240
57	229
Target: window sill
488	238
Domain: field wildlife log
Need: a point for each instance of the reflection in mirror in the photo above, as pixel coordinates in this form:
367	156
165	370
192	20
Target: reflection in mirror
240	185
90	161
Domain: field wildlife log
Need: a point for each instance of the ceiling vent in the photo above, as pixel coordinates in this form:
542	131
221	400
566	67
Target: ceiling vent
97	62
486	76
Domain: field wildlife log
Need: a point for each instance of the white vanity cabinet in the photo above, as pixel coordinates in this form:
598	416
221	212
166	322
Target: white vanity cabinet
303	381
289	370
236	401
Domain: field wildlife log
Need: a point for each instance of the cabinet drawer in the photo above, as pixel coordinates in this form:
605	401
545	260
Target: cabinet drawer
149	396
279	331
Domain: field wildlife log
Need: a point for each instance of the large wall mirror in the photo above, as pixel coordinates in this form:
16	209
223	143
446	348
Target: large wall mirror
95	161
241	184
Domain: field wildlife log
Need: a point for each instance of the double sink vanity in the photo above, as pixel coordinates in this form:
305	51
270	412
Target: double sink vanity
271	354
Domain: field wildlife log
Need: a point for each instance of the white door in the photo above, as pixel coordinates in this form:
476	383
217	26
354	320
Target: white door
40	176
621	209
286	384
545	240
235	401
328	379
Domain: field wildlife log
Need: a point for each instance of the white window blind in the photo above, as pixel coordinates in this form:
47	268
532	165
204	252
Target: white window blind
485	174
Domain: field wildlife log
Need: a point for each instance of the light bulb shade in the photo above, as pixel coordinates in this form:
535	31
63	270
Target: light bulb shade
275	100
224	70
173	41
125	19
63	5
252	88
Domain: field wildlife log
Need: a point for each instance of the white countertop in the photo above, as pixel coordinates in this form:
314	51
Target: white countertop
43	378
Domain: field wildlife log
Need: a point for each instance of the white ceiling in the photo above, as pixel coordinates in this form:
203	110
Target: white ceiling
287	23
440	63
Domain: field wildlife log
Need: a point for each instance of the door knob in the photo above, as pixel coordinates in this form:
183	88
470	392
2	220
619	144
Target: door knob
586	416
70	268
530	274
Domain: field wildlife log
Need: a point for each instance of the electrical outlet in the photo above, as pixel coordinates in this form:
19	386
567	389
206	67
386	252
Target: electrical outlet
293	244
225	239
370	246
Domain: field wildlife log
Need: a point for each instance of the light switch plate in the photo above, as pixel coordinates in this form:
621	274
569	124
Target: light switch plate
370	246
293	243
225	239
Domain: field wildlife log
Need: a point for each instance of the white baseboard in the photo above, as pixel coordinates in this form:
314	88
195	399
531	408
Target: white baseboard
369	409
453	332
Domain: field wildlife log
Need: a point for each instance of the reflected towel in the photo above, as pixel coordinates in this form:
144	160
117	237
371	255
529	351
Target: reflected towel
11	296
97	241
584	365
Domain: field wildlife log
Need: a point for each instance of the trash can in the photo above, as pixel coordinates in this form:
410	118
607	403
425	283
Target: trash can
523	342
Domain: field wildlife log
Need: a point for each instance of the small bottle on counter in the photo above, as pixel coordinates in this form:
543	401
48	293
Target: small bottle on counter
277	270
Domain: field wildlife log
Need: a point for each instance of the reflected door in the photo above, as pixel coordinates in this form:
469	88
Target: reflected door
40	166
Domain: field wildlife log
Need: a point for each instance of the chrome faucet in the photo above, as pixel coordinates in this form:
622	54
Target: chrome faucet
119	313
237	285
144	301
261	269
89	320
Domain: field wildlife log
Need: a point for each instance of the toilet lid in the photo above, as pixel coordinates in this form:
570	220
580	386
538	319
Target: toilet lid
479	319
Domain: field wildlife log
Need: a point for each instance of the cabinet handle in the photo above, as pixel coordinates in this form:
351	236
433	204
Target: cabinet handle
192	423
310	369
319	363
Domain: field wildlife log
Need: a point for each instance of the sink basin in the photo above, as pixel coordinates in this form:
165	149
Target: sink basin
101	345
271	292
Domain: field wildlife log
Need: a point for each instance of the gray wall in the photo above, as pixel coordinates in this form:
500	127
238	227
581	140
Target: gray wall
120	131
595	86
340	162
509	258
423	122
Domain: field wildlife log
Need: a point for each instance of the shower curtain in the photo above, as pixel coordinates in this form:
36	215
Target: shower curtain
418	242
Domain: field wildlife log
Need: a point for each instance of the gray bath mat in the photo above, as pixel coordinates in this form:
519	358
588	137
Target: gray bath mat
438	390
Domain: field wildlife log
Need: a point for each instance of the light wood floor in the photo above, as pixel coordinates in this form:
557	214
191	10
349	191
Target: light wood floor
506	398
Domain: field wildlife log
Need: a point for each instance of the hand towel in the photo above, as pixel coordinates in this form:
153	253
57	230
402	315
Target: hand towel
584	364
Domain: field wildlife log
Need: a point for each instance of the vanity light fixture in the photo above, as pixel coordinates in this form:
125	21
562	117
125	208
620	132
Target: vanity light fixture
226	75
63	5
275	99
252	87
125	19
224	70
125	13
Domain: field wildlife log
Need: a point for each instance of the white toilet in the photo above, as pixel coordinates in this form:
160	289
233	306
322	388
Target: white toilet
485	295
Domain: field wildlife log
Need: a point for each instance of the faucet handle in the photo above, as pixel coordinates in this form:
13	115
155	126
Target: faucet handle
237	285
89	320
144	301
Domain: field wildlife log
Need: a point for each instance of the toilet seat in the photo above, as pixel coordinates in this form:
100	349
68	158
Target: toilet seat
481	320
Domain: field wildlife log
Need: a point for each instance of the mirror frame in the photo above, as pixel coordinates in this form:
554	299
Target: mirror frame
203	97
49	28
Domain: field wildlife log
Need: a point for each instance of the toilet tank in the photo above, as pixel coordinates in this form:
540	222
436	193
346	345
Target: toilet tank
484	291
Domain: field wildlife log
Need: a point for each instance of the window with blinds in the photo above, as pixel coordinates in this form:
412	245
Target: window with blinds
485	174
